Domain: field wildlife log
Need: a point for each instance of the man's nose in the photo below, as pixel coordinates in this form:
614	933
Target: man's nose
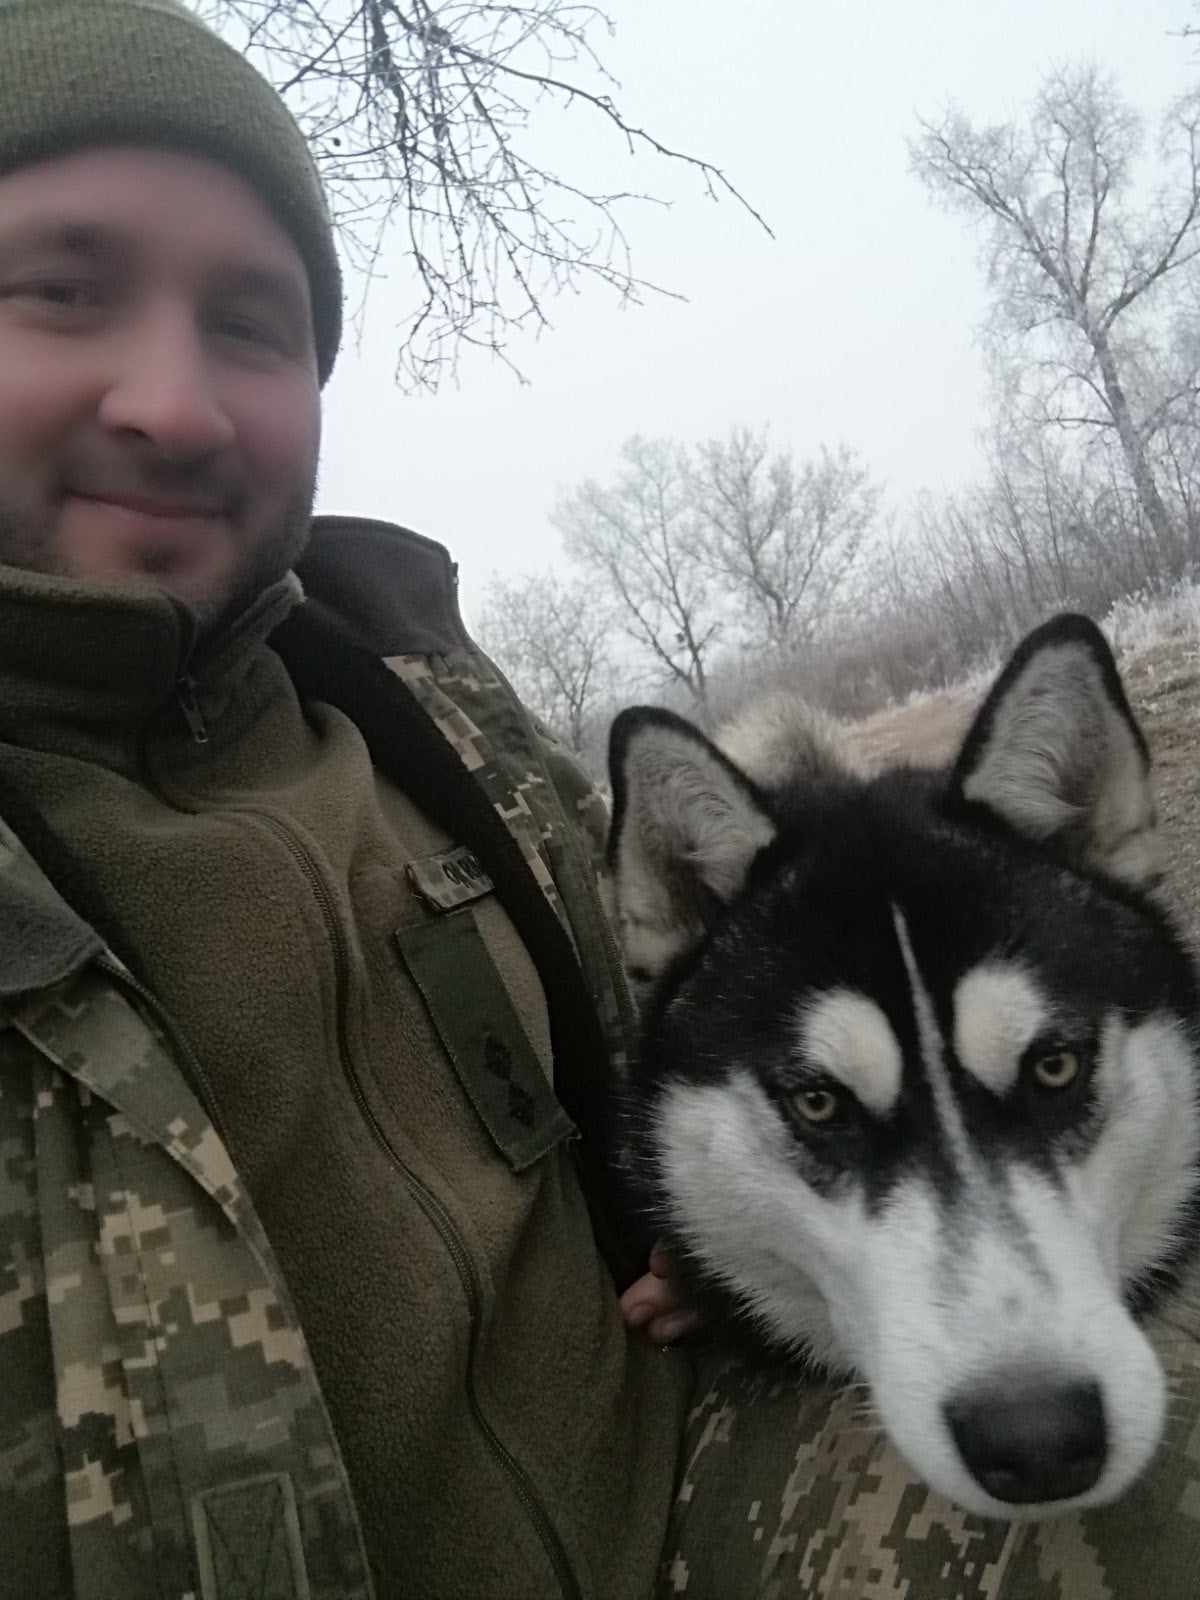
166	390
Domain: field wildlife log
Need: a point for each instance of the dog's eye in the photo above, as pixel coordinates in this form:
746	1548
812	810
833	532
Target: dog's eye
1057	1070
817	1105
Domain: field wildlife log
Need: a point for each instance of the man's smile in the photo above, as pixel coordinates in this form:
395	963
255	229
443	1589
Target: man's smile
182	539
173	508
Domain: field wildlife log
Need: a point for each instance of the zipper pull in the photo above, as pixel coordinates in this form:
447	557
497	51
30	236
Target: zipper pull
185	693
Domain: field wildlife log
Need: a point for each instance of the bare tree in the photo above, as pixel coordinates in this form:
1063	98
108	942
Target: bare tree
639	536
421	114
782	538
554	641
1078	269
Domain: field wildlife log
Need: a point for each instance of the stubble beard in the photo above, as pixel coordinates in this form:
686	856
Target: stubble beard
27	541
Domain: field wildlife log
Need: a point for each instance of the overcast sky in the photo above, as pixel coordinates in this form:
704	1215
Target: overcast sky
856	323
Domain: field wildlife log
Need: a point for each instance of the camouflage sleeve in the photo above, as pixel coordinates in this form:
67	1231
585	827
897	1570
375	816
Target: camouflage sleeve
581	799
33	1507
162	1432
790	1489
553	810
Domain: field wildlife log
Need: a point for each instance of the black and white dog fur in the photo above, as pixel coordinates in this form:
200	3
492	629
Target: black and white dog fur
919	1080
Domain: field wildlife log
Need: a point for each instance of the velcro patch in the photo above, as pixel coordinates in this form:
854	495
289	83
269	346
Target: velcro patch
449	879
248	1540
497	1066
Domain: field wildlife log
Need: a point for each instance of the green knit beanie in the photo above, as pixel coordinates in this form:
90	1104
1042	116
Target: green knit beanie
86	72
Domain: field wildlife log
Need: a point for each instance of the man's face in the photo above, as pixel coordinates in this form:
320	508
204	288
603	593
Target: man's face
159	403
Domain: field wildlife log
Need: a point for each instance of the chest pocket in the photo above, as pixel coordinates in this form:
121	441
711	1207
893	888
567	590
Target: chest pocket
477	1023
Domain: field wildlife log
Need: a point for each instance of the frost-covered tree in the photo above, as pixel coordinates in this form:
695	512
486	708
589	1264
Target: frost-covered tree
1084	259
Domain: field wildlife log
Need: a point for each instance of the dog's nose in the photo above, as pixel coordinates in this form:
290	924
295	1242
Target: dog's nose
1030	1440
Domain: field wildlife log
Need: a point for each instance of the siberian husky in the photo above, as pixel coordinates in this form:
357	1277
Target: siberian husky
919	1086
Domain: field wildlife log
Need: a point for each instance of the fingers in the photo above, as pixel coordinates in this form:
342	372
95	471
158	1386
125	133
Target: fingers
674	1325
662	1321
660	1262
649	1298
656	1304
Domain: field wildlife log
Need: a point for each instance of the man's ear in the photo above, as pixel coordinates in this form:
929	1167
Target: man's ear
1056	754
686	826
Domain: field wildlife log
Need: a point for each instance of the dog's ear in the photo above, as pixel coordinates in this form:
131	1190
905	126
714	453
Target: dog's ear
686	826
1056	754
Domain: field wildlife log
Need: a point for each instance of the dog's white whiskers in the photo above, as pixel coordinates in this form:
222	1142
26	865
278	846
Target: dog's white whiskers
854	1386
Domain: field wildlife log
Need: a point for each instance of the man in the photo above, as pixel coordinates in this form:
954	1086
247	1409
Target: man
300	953
307	1004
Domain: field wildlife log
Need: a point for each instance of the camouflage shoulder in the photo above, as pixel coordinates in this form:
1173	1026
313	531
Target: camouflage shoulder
479	717
542	794
163	1431
582	799
789	1489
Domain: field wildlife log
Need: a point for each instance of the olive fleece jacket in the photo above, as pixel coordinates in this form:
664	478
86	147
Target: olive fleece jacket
371	1038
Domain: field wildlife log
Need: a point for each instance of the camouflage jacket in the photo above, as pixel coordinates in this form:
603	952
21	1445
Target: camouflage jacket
178	1432
179	1429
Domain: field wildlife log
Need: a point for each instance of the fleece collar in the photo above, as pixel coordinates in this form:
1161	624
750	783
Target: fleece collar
88	669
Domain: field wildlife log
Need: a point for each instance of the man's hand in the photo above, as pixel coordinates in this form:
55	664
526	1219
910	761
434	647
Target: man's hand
655	1303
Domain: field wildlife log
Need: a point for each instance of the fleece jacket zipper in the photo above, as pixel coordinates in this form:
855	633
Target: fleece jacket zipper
437	1215
189	704
439	1218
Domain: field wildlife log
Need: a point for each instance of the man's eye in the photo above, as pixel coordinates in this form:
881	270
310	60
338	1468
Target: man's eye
63	294
252	331
242	328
